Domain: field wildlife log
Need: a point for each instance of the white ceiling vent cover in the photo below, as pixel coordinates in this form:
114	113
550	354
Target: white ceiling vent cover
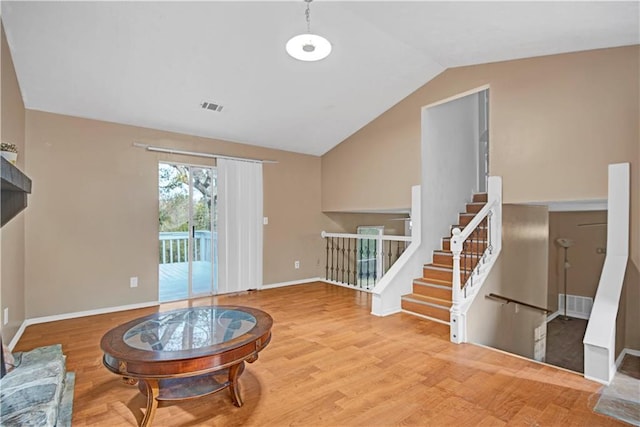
211	106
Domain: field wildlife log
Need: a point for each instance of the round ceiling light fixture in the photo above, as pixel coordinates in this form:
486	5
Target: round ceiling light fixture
308	47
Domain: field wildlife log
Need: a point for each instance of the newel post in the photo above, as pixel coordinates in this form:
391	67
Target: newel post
458	325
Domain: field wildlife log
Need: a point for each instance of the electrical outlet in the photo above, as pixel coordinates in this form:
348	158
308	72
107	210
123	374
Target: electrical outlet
265	220
133	282
601	250
296	265
6	316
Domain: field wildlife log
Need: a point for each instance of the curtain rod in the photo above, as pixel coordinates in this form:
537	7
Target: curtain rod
199	154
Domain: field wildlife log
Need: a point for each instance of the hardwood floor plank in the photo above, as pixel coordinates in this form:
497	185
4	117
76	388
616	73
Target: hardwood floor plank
331	363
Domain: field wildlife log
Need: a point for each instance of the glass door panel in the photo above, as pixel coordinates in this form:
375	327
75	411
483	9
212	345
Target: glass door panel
187	262
202	197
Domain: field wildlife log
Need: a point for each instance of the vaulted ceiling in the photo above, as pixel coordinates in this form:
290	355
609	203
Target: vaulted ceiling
153	64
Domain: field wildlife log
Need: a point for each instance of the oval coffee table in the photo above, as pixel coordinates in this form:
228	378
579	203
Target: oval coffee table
186	353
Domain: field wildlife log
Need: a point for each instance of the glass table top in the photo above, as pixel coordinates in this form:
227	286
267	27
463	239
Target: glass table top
189	329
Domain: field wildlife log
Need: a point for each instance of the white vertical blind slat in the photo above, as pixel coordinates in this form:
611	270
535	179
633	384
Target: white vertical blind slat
240	202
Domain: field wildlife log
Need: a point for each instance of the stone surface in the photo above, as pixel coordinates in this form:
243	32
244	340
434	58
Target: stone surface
65	412
30	394
621	398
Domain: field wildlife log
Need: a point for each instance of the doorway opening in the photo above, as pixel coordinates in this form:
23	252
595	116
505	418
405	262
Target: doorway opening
188	244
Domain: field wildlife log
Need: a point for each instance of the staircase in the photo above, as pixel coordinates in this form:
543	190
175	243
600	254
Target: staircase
432	295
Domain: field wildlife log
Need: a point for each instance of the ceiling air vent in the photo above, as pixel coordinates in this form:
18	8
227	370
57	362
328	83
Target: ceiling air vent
211	106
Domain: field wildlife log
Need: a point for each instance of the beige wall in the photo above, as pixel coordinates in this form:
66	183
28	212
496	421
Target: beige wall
631	292
376	167
12	263
556	123
520	274
337	222
93	217
586	264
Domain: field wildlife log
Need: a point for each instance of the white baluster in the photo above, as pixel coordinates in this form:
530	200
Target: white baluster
457	318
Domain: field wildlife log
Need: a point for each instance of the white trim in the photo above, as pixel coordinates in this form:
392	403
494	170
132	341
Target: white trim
623	353
600	337
433	319
387	293
330	282
387	311
595	379
65	316
573	205
17	336
457	96
391	237
553	316
291	283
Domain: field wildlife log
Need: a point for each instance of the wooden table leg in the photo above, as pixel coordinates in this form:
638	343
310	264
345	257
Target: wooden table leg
234	387
153	390
129	380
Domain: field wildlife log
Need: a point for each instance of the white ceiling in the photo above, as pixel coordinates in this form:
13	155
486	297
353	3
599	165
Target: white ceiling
152	64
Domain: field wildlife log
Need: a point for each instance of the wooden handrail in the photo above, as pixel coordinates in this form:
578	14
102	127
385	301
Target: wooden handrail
508	300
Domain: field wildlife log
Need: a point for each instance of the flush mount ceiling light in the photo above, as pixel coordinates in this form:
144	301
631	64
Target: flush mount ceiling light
308	47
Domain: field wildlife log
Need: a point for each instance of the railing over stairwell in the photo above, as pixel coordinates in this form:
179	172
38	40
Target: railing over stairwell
360	260
474	249
174	246
600	337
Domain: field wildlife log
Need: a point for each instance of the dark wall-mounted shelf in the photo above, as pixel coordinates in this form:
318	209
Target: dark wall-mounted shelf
15	187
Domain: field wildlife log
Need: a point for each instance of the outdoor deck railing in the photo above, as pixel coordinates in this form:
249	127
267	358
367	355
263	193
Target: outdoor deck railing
174	246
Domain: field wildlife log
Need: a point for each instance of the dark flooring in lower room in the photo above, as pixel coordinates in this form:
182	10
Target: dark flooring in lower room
564	343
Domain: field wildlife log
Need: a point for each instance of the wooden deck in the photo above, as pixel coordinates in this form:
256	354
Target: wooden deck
173	280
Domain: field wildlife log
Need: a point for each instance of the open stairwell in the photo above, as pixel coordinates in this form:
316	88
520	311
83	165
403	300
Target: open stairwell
432	293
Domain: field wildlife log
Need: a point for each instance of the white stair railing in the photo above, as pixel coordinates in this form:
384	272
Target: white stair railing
473	258
600	337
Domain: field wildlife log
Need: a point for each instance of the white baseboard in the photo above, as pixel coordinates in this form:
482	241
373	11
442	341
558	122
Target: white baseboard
17	336
331	282
388	312
623	353
597	380
573	314
553	316
433	319
65	316
291	283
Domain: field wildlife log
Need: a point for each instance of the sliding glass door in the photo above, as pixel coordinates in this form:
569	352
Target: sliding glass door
188	257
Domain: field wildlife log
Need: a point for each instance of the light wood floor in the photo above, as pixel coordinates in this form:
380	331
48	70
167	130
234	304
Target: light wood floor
331	363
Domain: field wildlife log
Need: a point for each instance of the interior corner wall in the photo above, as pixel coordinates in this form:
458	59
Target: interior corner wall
92	221
586	257
12	268
631	338
545	113
449	165
519	273
556	123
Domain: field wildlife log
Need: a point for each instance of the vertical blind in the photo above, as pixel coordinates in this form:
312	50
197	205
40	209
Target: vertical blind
240	225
